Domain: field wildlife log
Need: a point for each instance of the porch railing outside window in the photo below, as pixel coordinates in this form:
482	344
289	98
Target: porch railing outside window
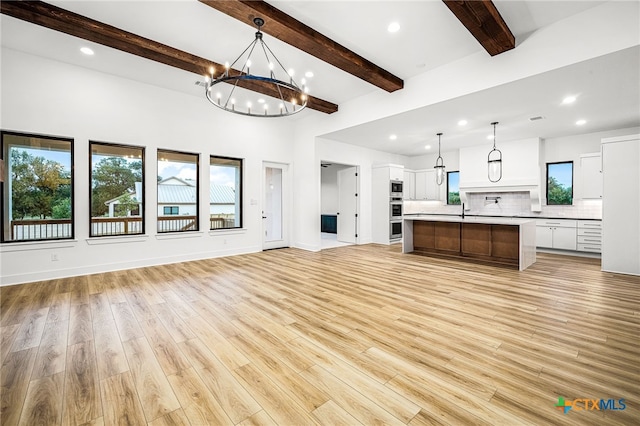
37	188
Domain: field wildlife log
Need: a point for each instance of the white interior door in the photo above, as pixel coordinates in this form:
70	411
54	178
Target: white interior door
275	206
347	225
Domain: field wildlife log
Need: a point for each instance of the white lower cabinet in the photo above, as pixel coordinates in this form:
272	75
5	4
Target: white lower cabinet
557	234
590	236
564	238
566	234
544	236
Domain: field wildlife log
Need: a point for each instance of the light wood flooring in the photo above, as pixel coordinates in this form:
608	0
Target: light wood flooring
351	335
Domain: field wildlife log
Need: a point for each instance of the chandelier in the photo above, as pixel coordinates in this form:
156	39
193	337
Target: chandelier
440	170
282	95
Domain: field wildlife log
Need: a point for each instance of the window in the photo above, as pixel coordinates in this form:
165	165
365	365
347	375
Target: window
117	189
225	193
560	183
37	187
453	188
177	184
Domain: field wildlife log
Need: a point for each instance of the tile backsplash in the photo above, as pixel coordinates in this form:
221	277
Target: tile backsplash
509	204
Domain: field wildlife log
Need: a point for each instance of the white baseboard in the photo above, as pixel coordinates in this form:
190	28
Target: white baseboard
118	266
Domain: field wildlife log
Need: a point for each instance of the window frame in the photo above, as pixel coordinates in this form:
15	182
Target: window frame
239	194
197	163
447	194
164	210
3	184
546	193
144	197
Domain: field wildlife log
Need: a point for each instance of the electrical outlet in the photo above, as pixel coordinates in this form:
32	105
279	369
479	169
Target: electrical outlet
54	257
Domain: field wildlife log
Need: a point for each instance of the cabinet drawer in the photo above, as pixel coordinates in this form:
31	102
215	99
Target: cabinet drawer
558	223
594	248
591	224
590	232
582	239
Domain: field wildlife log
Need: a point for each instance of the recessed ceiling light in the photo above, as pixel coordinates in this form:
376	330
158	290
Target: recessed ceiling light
581	122
86	51
393	137
427	147
490	137
462	123
393	27
260	101
308	74
569	100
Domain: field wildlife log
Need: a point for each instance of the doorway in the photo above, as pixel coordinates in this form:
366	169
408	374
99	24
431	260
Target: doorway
339	201
275	206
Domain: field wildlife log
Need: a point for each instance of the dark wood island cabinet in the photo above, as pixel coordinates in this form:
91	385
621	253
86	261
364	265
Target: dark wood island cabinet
495	240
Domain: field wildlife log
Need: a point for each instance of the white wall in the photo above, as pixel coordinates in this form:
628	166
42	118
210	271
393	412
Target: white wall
520	163
51	98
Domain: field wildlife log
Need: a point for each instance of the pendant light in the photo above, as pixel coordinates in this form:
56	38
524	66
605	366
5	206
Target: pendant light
494	159
440	172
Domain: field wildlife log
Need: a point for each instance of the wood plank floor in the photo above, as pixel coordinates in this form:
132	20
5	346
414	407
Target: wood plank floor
351	335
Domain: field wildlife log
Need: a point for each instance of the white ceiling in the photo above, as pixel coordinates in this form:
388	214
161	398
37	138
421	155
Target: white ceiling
430	36
607	91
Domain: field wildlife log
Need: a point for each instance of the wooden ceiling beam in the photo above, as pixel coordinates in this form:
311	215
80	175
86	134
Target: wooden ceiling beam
58	19
484	22
288	29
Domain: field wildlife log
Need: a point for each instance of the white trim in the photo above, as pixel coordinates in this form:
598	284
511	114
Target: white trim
117	239
227	231
36	245
620	139
307	247
179	234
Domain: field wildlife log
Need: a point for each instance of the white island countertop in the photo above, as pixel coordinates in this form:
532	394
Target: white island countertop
489	220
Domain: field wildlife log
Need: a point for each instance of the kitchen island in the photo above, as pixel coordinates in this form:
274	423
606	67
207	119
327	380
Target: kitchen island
501	240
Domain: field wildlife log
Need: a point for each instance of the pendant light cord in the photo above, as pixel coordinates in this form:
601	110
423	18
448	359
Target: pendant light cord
494	134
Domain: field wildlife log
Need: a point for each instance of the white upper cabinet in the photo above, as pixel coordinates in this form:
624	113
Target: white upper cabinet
591	176
426	187
396	173
409	185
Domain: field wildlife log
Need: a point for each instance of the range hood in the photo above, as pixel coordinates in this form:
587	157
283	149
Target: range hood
531	186
521	171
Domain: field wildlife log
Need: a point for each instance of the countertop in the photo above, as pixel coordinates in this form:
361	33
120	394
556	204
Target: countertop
470	219
409	215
